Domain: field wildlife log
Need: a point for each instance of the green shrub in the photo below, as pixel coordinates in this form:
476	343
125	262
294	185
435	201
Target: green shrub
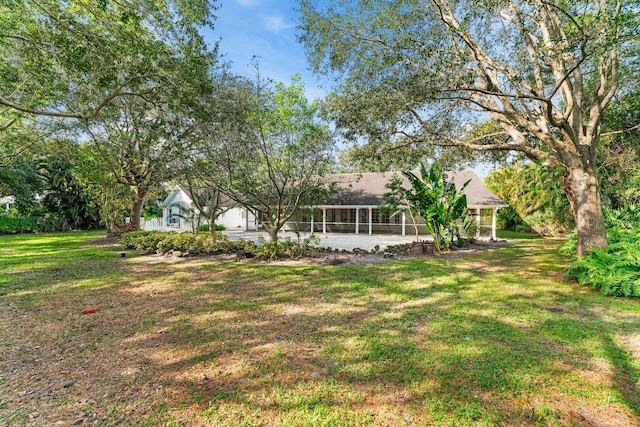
180	242
186	243
287	248
205	227
16	225
615	270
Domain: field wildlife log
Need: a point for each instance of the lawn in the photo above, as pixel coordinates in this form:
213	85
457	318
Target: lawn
494	337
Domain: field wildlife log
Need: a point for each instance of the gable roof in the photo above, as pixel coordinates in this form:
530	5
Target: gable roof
368	188
186	195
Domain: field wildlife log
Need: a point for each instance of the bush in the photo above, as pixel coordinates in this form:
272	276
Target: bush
31	224
615	270
205	227
185	243
288	248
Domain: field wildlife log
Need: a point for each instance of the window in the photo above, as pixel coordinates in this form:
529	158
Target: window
352	216
384	217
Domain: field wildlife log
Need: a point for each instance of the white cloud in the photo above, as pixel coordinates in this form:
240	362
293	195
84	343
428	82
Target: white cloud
275	23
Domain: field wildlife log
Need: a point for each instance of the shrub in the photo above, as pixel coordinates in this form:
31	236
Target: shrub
288	248
13	225
185	243
205	227
16	225
615	270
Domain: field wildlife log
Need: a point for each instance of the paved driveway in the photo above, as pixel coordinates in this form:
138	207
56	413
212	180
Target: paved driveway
331	240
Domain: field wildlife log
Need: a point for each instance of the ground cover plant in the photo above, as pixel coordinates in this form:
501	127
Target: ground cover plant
616	269
495	337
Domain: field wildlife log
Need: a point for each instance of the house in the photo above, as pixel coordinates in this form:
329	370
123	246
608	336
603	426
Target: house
179	212
7	201
355	208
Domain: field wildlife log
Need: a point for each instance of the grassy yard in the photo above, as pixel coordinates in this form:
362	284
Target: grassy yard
494	337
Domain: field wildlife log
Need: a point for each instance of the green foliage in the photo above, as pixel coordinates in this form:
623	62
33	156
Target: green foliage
535	197
183	243
276	157
442	207
30	224
619	154
287	248
615	270
205	227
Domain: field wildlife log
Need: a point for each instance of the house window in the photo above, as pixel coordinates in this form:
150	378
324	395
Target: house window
375	216
344	215
384	217
364	215
352	216
332	215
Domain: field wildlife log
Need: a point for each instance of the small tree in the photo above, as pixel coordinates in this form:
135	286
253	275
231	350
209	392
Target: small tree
272	156
438	203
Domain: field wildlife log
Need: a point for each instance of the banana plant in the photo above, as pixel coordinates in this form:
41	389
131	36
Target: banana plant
437	201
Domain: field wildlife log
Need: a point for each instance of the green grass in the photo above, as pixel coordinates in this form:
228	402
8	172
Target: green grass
515	235
495	337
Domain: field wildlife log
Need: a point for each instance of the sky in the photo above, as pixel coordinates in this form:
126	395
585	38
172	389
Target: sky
266	29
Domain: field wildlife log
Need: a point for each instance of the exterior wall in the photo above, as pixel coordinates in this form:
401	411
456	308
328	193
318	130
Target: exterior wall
233	218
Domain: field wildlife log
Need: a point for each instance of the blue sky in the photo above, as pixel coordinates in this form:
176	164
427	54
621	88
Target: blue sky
263	28
267	29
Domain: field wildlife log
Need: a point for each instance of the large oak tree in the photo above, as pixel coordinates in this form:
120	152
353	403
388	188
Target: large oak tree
423	70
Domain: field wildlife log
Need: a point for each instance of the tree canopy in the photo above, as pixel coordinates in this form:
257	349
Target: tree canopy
71	58
271	154
426	71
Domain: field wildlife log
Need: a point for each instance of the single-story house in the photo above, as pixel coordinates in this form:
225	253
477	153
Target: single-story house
355	208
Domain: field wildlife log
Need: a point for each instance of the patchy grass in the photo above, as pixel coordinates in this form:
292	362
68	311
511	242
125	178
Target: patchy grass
516	235
495	337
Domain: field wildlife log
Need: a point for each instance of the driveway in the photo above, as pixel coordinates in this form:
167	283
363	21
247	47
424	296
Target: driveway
331	240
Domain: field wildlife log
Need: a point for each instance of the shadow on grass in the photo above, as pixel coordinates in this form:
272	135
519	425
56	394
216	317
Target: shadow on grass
494	337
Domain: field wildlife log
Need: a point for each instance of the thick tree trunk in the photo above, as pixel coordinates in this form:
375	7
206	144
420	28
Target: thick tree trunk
136	208
583	192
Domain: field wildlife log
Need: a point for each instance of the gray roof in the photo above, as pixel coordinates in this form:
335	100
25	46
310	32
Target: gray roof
367	188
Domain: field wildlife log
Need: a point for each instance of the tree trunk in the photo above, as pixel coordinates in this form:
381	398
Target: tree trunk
583	193
136	208
273	233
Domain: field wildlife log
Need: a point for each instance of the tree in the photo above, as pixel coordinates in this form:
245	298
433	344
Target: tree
70	59
207	199
270	156
545	71
442	207
100	183
141	144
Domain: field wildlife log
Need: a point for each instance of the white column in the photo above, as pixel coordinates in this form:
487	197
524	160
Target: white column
477	223
493	223
404	224
324	220
311	221
370	220
357	220
164	219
